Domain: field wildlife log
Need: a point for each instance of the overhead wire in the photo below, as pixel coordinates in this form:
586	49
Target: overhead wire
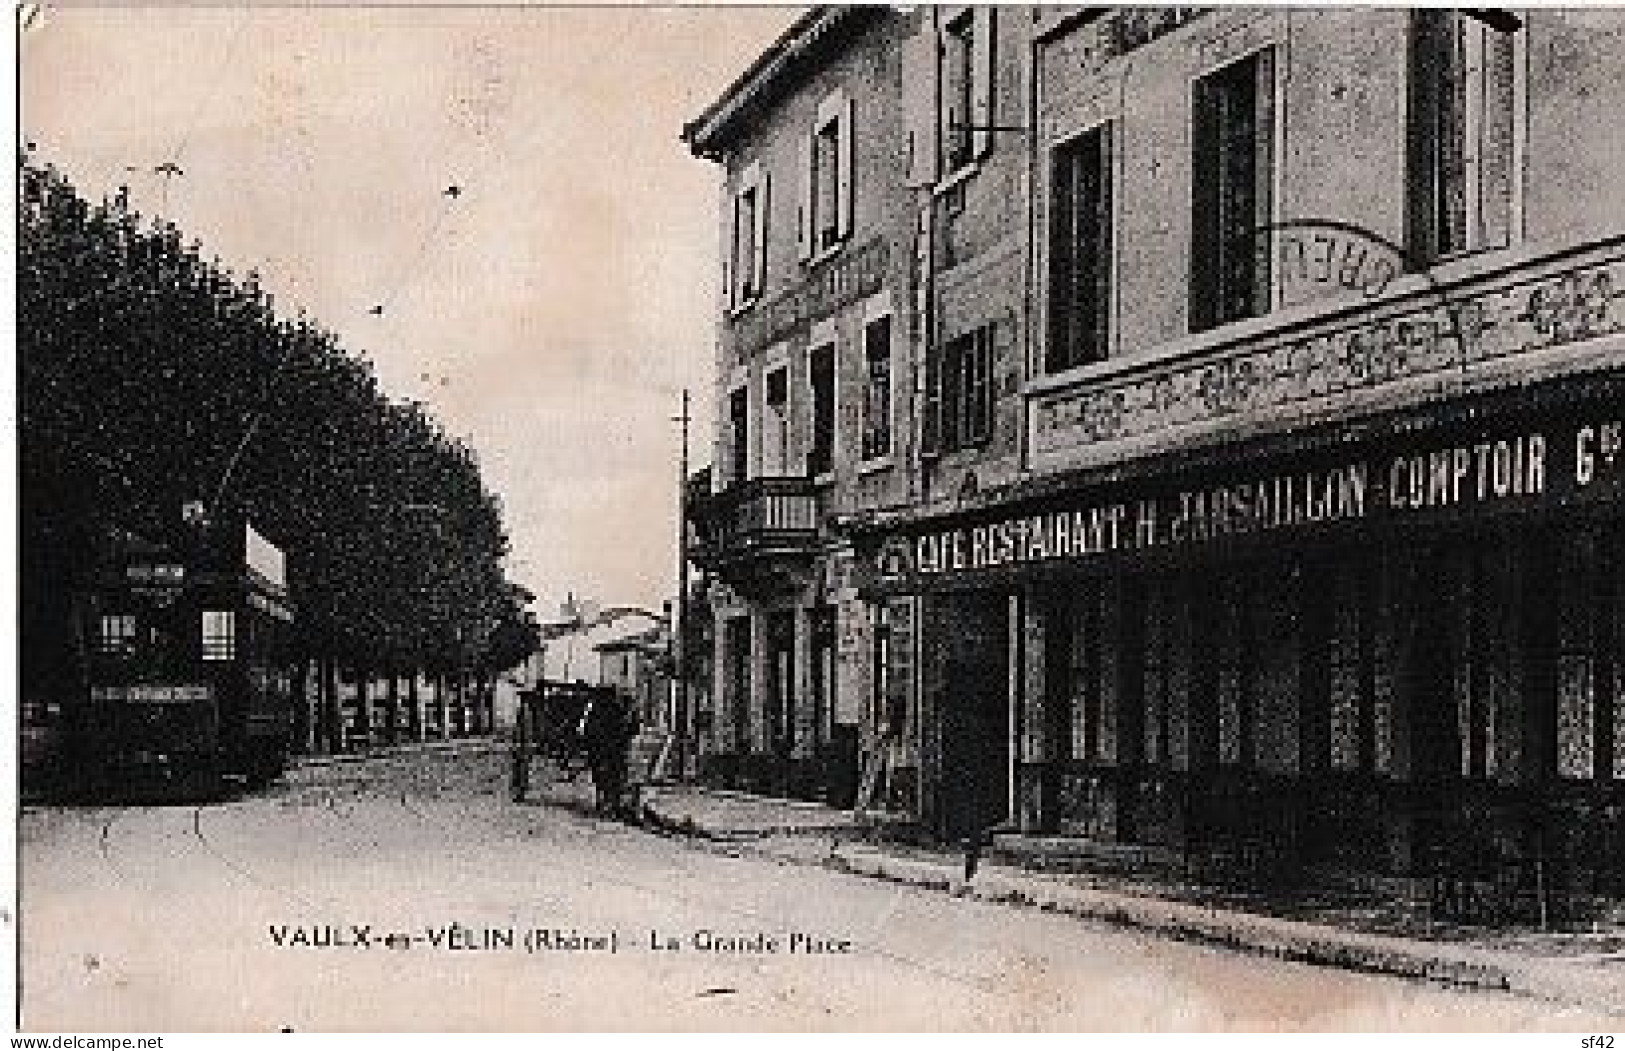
463	176
467	173
199	108
170	168
415	261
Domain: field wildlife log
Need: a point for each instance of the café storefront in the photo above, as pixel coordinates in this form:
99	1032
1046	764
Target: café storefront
1396	648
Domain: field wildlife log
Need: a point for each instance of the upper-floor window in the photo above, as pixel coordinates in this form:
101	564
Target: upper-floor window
826	185
746	212
1080	251
747	254
877	408
965	51
821	378
1233	145
219	635
1462	171
116	636
776	423
826	211
959	392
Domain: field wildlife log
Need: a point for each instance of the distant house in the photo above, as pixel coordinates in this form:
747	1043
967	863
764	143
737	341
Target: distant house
639	666
567	654
511	683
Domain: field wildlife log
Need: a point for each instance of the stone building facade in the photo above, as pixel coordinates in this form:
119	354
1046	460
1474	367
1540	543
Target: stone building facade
1260	488
812	385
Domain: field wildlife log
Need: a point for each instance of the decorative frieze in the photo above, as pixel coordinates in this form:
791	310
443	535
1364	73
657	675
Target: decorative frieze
1436	337
843	279
1099	38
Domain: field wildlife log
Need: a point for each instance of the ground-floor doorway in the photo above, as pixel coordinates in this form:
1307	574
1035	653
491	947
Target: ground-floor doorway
966	643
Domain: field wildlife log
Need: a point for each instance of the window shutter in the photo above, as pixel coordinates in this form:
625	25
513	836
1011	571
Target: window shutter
1205	255
805	234
1104	235
1472	119
1498	165
931	418
1064	259
1262	247
844	168
922	330
730	237
982	73
978	349
1422	136
919	60
763	204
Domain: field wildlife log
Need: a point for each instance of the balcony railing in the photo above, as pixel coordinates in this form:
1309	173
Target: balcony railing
758	518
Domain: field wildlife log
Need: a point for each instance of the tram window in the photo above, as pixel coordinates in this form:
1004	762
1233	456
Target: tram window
219	635
117	635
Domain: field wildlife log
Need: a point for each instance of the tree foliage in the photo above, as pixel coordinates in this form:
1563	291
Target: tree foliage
150	375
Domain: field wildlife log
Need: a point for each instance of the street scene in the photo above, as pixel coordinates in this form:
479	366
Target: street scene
271	908
837	518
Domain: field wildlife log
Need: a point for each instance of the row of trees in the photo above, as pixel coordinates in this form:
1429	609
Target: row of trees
150	376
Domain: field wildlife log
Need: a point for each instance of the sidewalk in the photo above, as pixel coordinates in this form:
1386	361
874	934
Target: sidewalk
1577	969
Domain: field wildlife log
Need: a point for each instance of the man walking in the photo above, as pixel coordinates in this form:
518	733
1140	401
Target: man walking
610	726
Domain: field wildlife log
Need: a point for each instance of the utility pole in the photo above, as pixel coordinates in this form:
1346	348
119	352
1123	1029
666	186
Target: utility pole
684	728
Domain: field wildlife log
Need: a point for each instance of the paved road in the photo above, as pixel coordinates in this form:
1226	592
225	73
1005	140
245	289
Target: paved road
167	918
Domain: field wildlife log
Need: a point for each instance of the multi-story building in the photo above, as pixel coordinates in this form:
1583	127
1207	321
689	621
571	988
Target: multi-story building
816	255
1261	487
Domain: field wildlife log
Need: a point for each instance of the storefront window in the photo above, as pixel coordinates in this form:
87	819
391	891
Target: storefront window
1082	641
1277	657
1230	645
1590	656
822	672
1359	664
781	682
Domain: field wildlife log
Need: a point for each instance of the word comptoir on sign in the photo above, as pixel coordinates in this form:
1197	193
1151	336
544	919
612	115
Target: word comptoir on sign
1484	472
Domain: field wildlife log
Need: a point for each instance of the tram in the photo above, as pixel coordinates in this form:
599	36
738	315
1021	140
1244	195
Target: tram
189	666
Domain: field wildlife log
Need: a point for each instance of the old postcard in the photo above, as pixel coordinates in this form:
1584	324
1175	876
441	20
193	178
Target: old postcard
714	519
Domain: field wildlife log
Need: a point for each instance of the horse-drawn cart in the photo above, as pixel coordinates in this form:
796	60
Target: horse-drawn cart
575	728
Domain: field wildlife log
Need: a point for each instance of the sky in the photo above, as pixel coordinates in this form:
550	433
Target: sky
550	312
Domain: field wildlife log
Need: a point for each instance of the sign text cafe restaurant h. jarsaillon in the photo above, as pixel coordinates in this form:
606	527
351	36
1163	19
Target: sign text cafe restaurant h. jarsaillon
1397	652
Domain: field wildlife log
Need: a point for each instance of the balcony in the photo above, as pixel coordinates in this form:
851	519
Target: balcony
759	535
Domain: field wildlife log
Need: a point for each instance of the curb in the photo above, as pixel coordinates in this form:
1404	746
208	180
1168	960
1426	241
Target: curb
1293	940
1288	940
688	827
747	797
1569	983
